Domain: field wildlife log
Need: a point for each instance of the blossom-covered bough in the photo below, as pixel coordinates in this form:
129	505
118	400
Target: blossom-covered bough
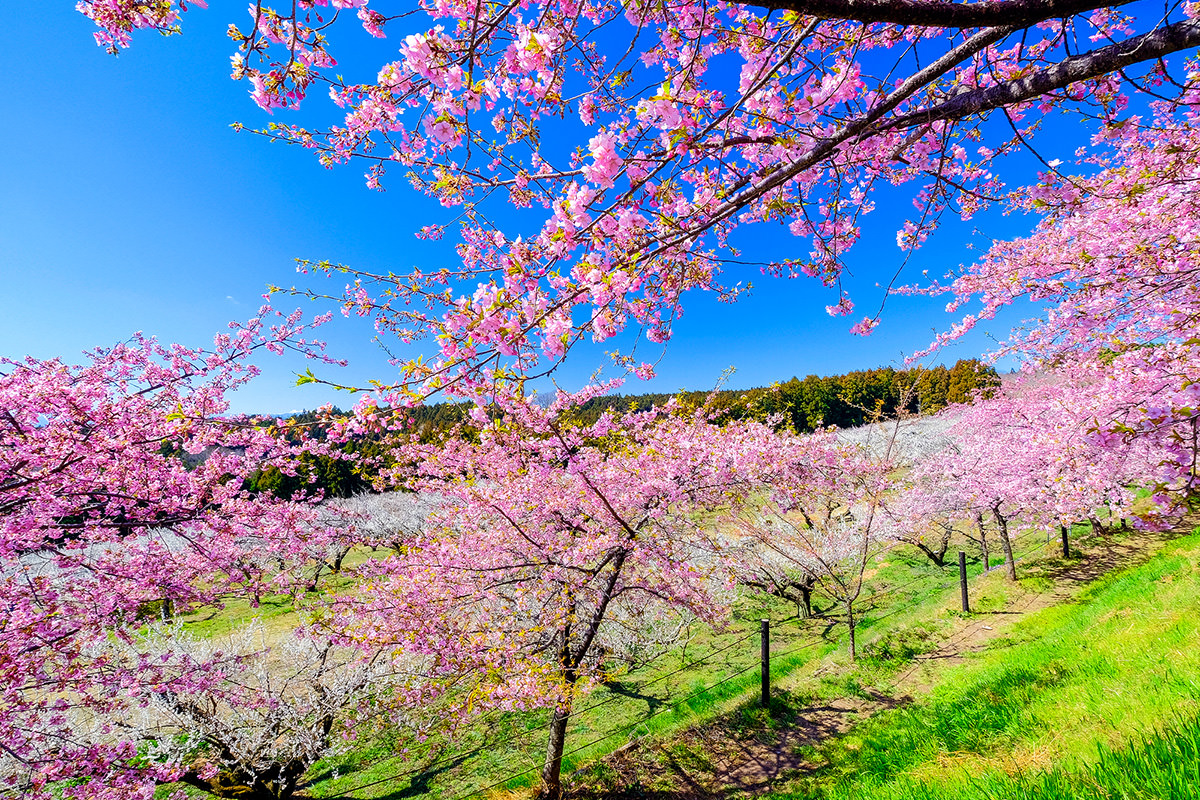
644	135
603	158
1115	261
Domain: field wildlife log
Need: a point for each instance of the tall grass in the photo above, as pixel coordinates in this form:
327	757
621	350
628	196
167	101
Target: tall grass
1163	766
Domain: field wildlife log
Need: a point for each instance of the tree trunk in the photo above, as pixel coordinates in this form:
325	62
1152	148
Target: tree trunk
316	578
983	542
276	782
936	556
804	607
1002	524
552	768
338	557
1097	528
569	660
853	642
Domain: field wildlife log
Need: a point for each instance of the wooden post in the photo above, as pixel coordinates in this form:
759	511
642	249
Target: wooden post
1065	541
765	626
962	581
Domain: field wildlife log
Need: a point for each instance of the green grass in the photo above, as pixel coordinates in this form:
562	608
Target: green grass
909	607
1164	766
1069	684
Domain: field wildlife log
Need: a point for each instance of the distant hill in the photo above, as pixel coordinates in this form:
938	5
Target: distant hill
846	401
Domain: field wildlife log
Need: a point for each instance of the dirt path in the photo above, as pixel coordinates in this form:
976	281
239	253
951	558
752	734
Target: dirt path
740	754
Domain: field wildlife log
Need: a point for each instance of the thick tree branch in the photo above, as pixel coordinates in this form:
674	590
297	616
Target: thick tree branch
855	128
940	14
1156	44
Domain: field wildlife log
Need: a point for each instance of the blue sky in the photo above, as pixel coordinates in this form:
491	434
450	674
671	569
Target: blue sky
127	203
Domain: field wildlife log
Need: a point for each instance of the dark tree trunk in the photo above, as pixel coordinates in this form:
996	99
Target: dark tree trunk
936	13
985	553
552	768
268	780
338	557
316	578
853	641
569	659
938	557
276	782
1097	528
804	607
1002	524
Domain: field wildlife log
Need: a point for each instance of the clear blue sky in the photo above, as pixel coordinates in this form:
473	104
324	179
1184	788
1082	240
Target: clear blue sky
127	203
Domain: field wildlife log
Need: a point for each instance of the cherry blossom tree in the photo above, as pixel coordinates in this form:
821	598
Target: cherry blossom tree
760	566
935	498
1113	262
121	498
993	467
925	521
555	547
825	512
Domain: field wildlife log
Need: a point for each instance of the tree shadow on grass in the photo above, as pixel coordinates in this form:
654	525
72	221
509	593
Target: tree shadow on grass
618	687
744	752
419	782
1094	555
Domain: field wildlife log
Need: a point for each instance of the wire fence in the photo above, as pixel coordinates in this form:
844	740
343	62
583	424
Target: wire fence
676	705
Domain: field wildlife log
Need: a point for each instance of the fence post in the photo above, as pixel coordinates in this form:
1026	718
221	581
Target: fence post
962	581
765	627
1066	543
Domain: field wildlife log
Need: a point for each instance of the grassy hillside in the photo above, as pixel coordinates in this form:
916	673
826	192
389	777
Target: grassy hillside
1055	673
1067	705
656	710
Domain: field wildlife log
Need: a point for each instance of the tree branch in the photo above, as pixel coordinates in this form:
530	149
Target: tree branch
940	14
856	128
1156	44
